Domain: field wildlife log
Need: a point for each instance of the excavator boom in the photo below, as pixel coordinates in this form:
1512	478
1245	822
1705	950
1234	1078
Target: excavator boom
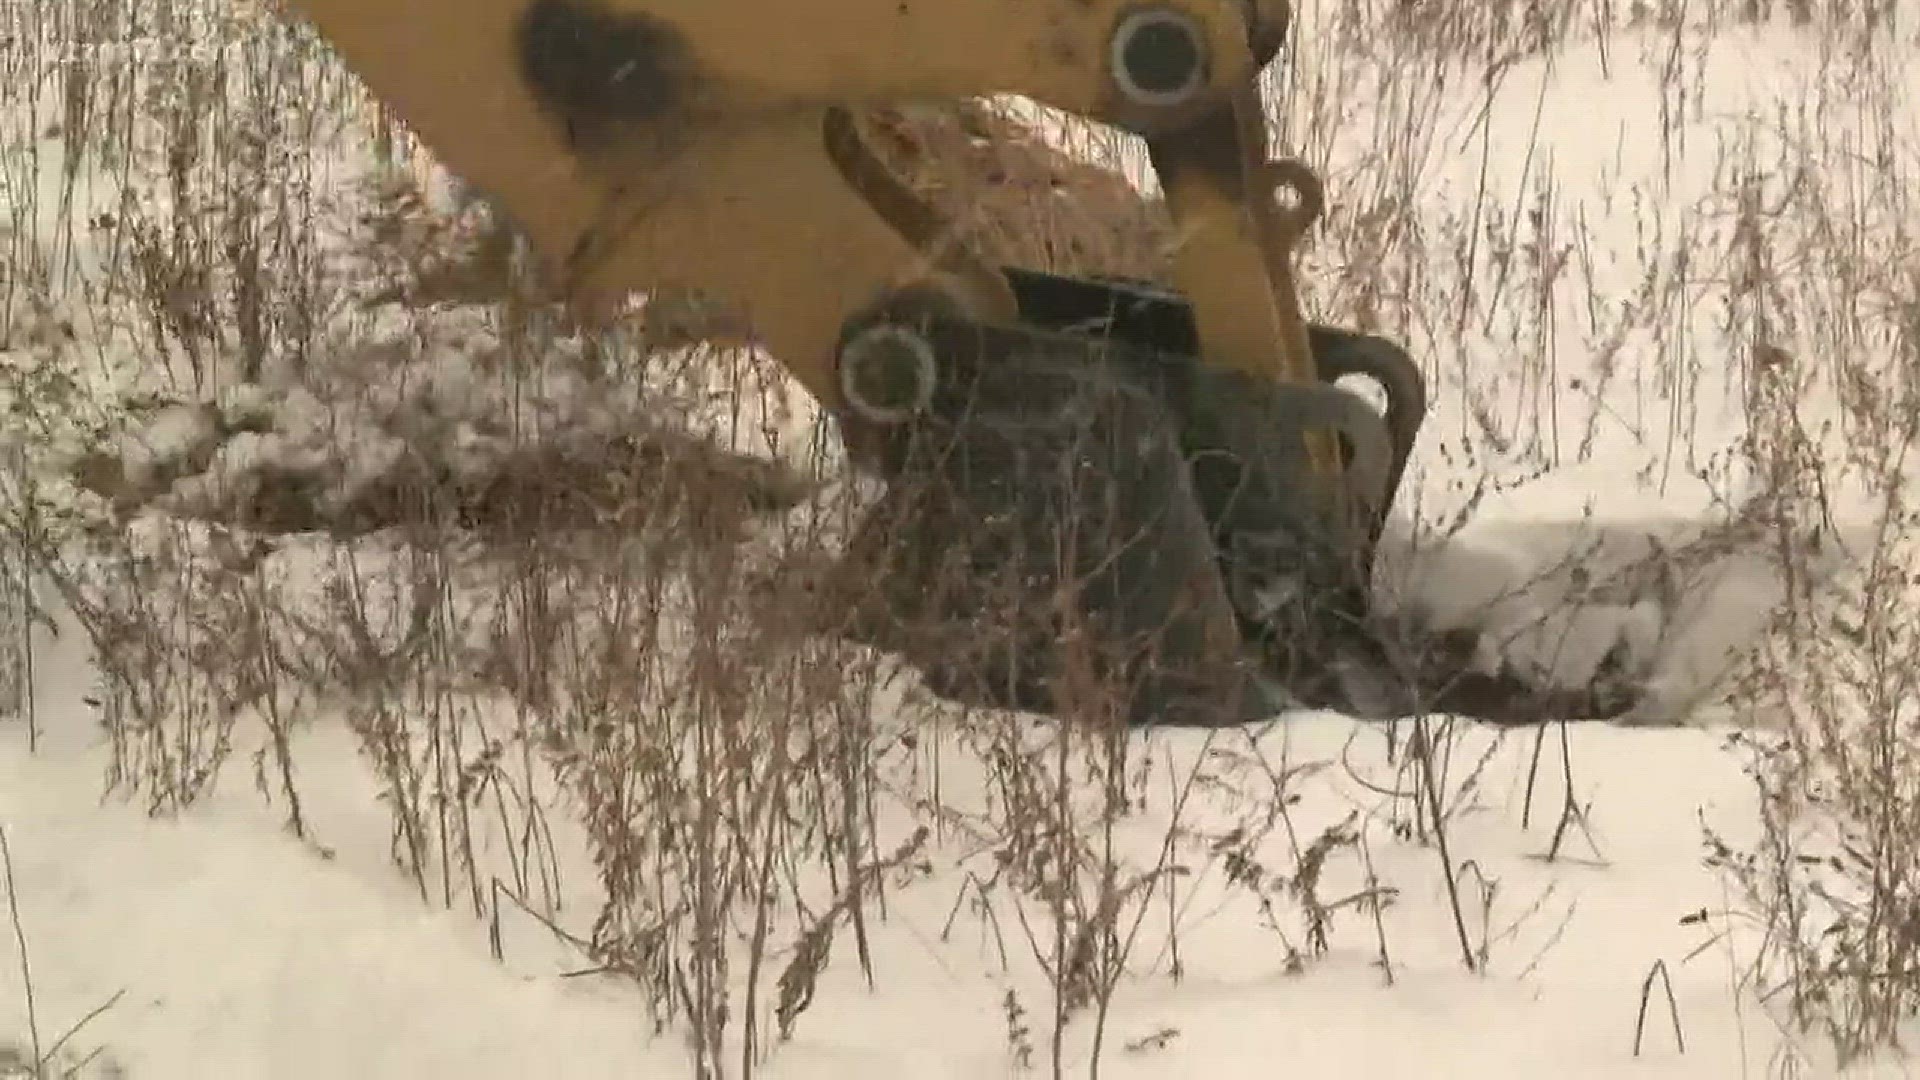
641	144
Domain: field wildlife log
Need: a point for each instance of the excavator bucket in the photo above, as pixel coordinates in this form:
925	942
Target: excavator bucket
1089	445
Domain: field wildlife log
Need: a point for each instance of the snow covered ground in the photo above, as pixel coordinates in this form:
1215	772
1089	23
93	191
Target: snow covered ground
240	952
1607	398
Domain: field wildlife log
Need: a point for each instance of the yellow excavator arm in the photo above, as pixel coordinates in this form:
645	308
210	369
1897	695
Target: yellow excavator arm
717	146
710	144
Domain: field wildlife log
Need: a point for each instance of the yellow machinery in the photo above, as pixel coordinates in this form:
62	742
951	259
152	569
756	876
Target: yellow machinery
1162	490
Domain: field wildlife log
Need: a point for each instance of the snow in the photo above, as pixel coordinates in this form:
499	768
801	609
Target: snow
239	951
228	947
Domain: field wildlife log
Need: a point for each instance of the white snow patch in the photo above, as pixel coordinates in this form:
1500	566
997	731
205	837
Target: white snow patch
241	952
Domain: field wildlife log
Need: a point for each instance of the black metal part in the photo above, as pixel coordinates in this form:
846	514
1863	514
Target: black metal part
1156	319
888	373
599	71
1080	496
1298	571
1043	542
1323	655
1162	322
